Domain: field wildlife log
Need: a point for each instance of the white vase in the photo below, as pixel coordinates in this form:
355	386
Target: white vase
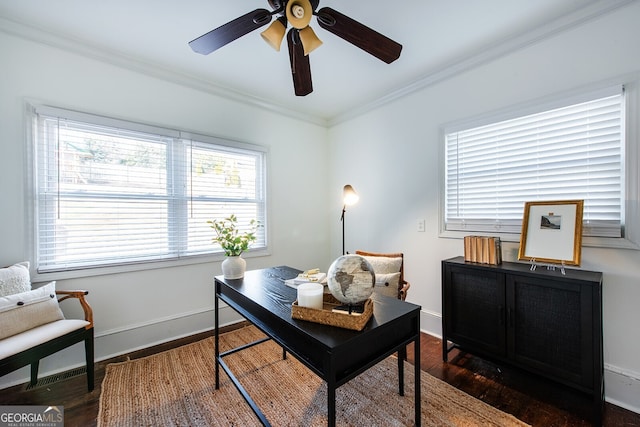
233	267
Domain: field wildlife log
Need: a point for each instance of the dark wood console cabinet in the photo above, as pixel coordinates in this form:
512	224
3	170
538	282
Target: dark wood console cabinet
542	321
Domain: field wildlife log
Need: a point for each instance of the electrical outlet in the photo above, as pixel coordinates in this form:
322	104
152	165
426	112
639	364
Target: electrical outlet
421	225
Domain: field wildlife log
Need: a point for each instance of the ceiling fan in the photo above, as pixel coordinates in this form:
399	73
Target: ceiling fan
301	38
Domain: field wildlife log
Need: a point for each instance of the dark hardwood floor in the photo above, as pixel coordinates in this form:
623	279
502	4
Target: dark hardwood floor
533	400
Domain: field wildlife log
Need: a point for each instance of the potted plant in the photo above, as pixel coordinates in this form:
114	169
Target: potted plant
233	242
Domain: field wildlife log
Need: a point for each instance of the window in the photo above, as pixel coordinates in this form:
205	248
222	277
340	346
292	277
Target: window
110	192
567	152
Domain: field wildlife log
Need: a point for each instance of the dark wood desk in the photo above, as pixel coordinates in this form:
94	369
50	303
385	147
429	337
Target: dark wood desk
336	355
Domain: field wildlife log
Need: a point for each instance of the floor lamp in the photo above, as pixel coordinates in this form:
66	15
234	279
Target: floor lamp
349	197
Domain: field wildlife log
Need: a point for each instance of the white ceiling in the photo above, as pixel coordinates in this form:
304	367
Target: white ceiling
438	37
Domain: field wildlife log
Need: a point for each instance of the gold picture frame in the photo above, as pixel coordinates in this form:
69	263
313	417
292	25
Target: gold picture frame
552	232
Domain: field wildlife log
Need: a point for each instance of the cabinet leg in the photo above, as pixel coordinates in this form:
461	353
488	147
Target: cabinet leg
598	408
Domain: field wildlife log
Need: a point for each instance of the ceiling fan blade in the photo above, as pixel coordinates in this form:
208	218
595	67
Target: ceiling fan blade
230	31
359	35
300	65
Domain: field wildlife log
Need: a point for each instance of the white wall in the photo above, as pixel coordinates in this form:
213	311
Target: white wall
391	157
137	309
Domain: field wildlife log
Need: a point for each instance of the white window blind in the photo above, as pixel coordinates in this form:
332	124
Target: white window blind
567	153
111	192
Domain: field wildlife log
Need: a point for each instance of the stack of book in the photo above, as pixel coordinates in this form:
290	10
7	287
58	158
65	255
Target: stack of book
483	249
313	275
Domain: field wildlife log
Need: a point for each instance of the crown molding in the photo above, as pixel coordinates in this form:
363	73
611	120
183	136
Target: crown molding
99	53
560	25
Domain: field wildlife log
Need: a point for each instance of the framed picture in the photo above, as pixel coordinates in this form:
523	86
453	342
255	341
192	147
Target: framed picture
552	232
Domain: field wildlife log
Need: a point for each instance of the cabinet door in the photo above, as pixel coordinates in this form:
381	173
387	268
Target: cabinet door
549	327
474	309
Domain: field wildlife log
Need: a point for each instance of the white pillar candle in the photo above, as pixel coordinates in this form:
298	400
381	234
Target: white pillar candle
310	295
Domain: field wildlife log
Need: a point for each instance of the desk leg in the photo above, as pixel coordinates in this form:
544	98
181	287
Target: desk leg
417	374
331	404
402	356
217	340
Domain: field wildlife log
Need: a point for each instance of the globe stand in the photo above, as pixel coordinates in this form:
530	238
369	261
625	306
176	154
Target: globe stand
351	308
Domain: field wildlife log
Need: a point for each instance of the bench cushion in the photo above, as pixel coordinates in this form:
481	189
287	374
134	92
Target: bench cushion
27	310
38	335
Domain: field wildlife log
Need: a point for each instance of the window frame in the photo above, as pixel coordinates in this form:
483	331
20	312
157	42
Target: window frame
32	109
631	157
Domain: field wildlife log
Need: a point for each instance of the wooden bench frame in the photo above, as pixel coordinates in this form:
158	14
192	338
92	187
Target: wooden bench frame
33	355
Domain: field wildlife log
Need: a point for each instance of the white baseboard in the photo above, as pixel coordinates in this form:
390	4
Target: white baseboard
621	387
431	323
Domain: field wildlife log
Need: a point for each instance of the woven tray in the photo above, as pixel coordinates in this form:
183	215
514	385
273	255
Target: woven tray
328	317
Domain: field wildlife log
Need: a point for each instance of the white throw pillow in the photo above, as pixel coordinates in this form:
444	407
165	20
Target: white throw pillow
387	272
384	265
26	310
390	279
387	284
15	279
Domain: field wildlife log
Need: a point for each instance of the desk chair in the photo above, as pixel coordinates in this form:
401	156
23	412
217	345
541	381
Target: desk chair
389	271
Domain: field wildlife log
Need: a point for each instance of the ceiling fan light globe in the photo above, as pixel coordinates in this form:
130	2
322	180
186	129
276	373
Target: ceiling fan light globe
299	13
274	34
310	41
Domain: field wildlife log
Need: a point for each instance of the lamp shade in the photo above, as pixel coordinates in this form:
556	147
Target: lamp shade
299	13
310	41
274	34
349	195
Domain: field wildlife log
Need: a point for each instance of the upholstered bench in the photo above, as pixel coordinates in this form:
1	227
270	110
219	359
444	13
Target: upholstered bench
32	325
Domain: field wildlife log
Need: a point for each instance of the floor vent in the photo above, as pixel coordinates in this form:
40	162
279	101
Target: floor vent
58	377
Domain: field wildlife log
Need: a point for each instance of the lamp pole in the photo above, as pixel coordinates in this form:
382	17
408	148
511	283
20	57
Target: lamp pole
344	209
349	197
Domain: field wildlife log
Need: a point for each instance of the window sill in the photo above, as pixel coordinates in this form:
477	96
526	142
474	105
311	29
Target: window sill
149	265
588	242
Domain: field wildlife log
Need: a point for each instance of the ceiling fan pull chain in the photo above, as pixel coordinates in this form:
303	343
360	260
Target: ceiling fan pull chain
293	64
295	37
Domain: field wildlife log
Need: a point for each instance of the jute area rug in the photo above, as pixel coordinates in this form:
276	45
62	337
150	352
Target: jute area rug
177	388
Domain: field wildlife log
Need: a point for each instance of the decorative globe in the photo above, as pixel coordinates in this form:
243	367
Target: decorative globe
351	279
